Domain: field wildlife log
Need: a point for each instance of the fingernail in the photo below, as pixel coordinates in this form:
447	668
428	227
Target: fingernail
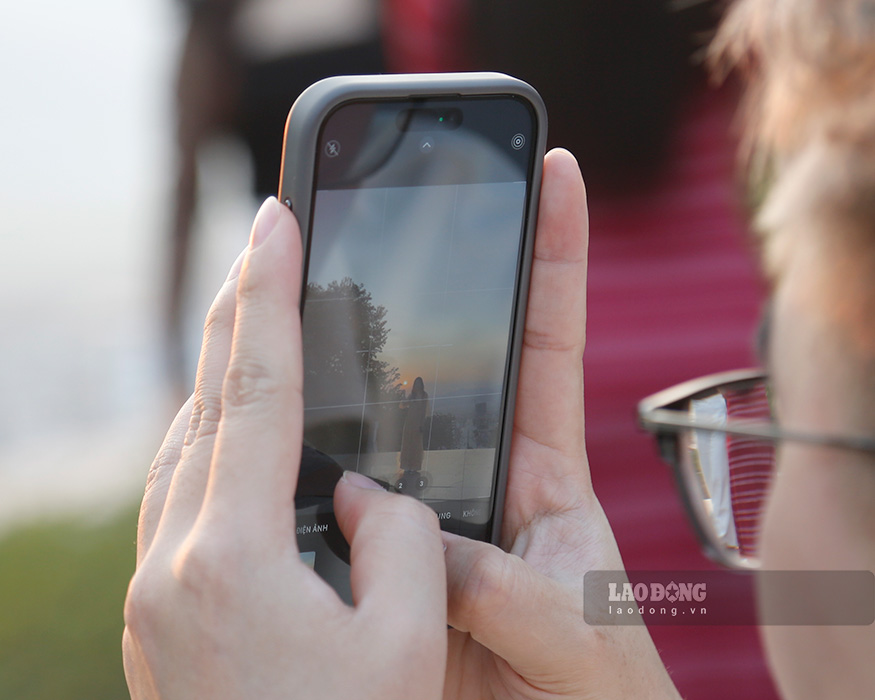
234	273
265	222
361	481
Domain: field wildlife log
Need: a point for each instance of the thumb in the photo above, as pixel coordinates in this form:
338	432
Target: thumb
396	553
517	613
536	625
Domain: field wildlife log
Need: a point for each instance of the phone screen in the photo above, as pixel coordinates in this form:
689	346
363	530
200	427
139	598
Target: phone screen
413	281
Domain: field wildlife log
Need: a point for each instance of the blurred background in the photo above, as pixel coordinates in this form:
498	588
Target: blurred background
85	154
137	141
86	163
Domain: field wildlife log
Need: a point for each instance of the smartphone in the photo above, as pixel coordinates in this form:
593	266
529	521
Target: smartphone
417	197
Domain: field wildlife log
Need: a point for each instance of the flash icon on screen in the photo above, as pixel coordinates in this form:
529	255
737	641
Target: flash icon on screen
332	148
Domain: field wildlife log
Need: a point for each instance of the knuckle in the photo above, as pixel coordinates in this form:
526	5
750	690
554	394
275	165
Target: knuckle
486	588
144	604
205	416
168	456
543	340
202	566
195	581
205	567
248	382
220	317
160	472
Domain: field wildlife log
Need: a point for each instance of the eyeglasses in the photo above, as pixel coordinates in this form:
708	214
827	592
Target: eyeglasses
719	436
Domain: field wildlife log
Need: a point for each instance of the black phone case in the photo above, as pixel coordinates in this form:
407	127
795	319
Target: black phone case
298	174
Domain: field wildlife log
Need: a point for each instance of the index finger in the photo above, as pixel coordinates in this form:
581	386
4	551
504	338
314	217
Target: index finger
258	445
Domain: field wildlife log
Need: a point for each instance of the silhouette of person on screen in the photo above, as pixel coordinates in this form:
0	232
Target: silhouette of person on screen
412	481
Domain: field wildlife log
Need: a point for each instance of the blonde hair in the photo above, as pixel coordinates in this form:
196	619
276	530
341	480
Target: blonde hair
810	67
809	113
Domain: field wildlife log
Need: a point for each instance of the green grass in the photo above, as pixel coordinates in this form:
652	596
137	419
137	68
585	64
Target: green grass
62	588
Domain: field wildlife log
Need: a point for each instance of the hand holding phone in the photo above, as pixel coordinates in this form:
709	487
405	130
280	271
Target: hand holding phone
221	605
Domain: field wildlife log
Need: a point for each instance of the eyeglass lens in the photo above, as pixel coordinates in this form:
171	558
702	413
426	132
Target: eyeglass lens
727	477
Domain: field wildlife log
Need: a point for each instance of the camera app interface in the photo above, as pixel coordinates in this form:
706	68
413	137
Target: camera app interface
409	308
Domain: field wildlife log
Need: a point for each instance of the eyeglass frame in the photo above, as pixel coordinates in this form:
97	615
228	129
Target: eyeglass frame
656	416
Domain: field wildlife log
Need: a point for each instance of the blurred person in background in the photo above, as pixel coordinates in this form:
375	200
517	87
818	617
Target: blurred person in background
241	66
244	62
